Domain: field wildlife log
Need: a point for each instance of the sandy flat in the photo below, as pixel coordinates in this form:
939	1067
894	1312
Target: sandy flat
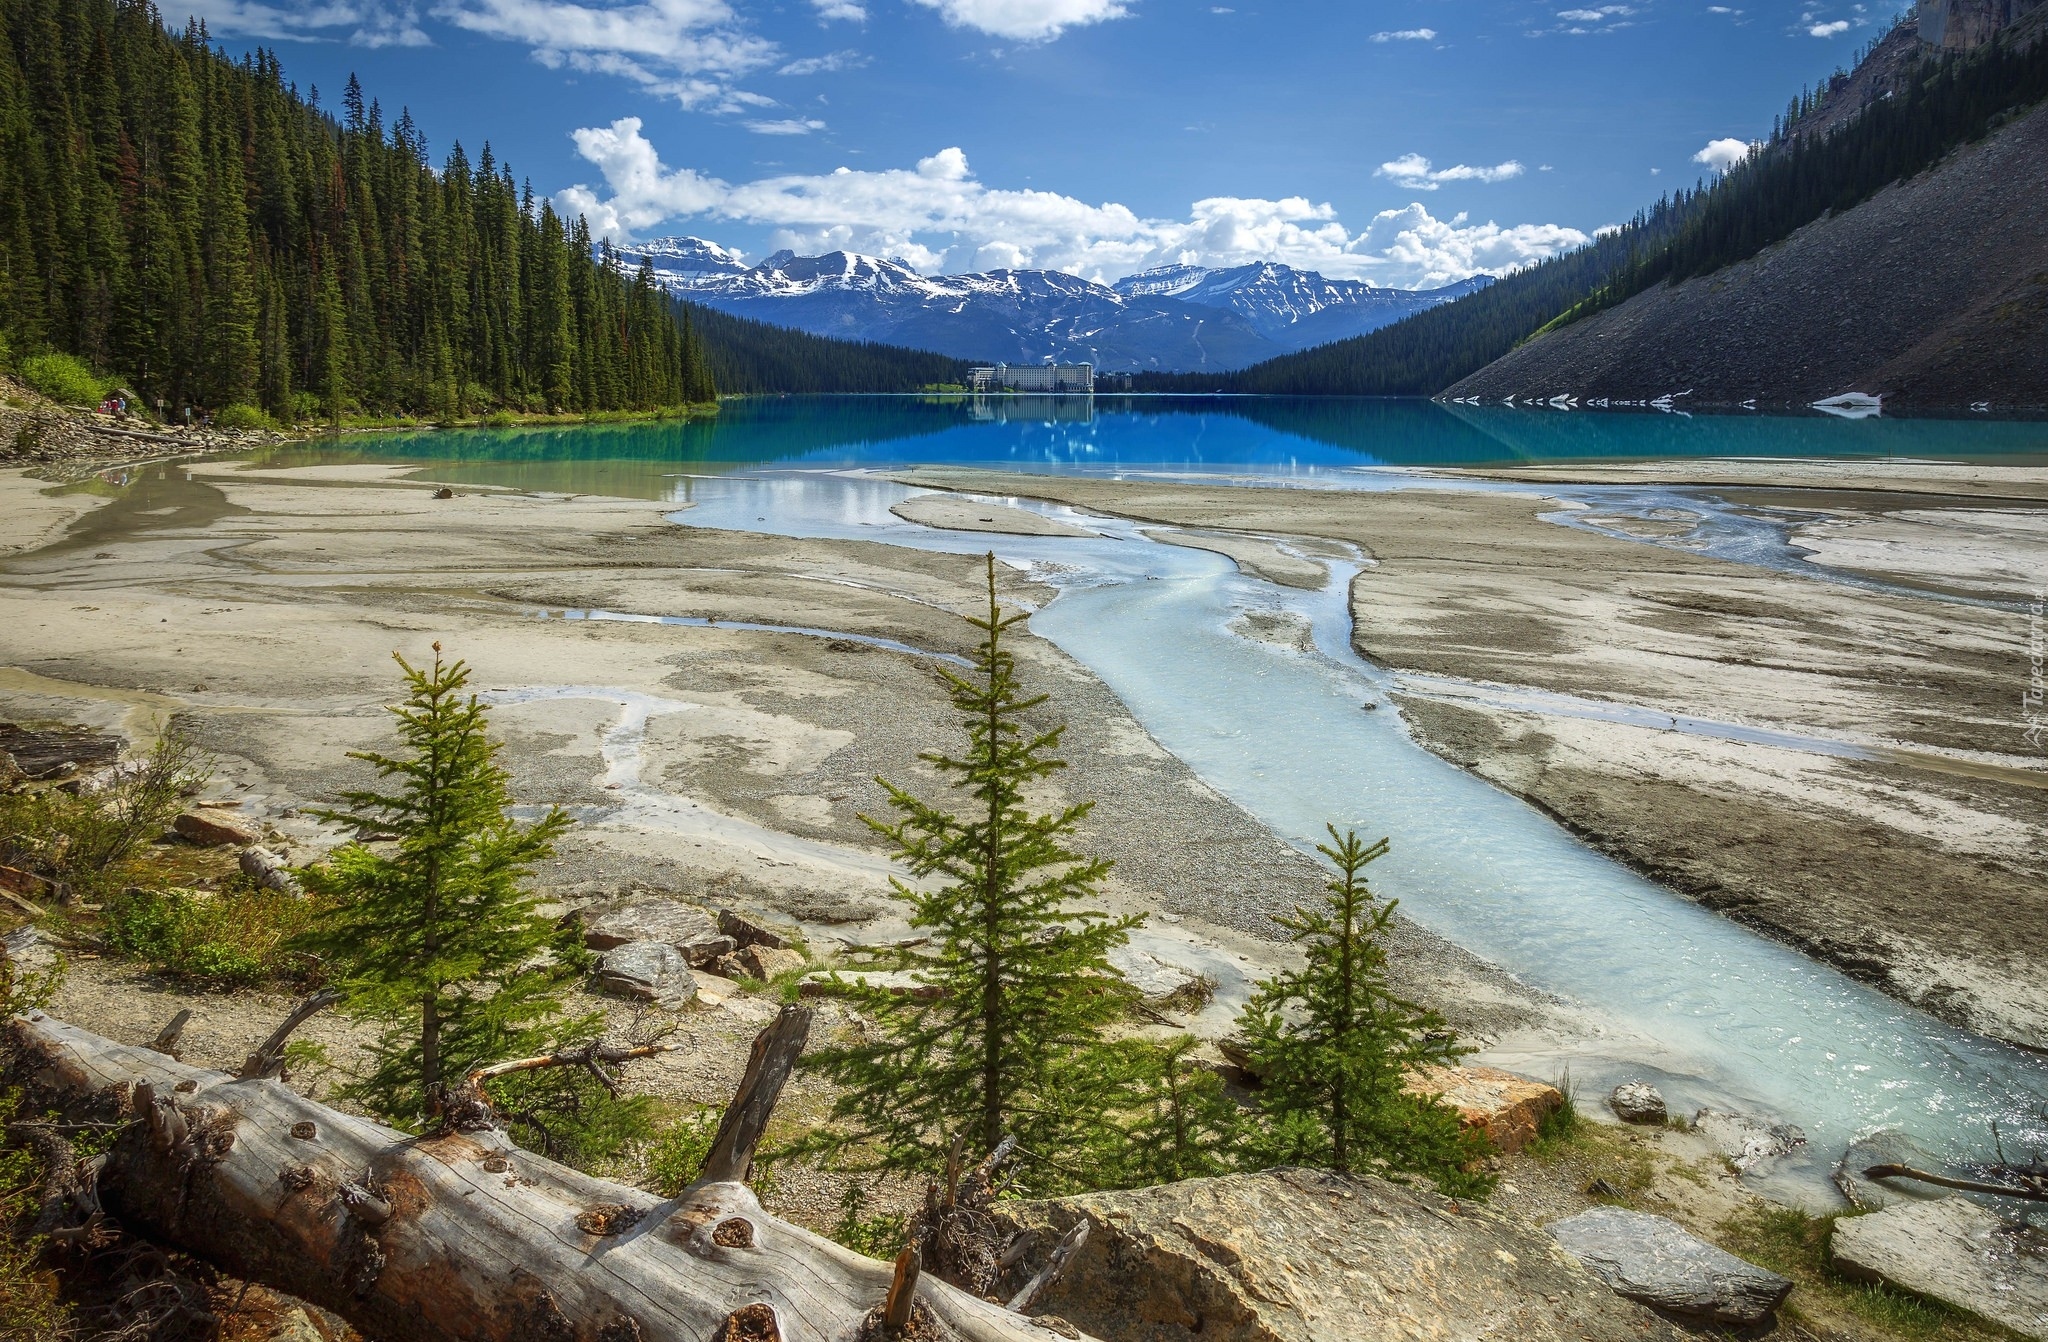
35	514
1922	870
951	512
1952	479
1997	553
1256	555
263	608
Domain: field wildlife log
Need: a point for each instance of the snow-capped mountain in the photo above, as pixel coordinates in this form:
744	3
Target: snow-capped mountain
1175	318
1298	308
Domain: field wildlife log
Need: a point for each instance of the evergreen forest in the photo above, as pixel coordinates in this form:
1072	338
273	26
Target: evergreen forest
208	236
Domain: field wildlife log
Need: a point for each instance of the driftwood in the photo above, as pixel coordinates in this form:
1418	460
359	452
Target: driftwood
459	1236
2034	1189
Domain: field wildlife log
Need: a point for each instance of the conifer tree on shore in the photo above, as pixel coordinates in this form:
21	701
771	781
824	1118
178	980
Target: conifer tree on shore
1336	1048
1006	1038
439	944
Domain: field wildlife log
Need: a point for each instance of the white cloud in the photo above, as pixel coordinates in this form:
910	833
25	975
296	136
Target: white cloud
788	126
820	65
1836	28
1026	20
939	217
368	23
1406	35
845	10
1412	172
690	50
1721	155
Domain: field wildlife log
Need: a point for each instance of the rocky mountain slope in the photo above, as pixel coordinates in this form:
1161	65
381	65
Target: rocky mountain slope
1934	292
1176	317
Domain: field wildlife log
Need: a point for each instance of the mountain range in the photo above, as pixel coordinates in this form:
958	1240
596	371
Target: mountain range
1175	318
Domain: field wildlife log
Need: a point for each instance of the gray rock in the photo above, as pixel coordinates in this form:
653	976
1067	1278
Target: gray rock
1298	1255
1954	1251
1638	1102
1889	1147
268	870
213	829
1154	978
1748	1141
689	930
1661	1264
652	971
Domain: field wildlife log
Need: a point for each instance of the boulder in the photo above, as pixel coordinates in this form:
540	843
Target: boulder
1298	1255
214	830
1888	1147
1663	1265
1505	1108
1747	1141
28	885
1638	1102
652	971
714	989
746	932
1953	1251
689	930
766	962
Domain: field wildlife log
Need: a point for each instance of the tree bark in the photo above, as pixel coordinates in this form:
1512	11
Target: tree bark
455	1237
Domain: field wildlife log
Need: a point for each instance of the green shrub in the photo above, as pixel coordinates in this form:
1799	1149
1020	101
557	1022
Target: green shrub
63	379
84	838
234	939
240	416
876	1234
500	419
678	1150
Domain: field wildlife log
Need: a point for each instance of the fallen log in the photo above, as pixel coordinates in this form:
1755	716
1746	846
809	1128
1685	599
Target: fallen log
457	1236
2033	1190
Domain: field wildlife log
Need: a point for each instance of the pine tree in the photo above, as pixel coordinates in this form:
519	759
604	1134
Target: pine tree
1177	1122
438	943
1008	1036
1335	1047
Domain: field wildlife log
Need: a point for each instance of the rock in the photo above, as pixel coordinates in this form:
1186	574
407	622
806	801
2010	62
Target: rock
1505	1108
1747	1141
714	988
729	966
820	983
652	971
24	949
689	930
1638	1102
268	870
746	932
1665	1266
213	831
1889	1147
1154	978
1954	1251
766	962
1234	1052
1298	1255
12	775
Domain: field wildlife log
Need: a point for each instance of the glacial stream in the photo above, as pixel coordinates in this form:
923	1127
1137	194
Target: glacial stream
1712	1012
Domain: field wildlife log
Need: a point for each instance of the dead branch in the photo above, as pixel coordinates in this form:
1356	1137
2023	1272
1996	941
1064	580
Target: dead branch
902	1291
746	1118
1055	1267
166	1041
268	1059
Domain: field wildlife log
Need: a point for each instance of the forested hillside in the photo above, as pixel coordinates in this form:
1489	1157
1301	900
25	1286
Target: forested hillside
1797	177
192	225
751	356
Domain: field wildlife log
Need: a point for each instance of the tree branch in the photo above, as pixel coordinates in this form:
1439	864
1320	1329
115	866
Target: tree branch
775	1053
268	1059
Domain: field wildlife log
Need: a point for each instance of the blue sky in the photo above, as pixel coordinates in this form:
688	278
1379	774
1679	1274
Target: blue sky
1410	143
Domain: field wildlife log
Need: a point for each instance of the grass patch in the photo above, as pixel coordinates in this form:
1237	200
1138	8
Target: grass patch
238	937
1563	1128
1794	1244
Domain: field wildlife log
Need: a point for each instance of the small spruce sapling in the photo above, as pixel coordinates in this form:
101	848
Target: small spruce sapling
440	945
1020	984
1336	1047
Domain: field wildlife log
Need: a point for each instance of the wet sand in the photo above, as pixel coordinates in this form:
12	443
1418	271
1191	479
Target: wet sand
1857	782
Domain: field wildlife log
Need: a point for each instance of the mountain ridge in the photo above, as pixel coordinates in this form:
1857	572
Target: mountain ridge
1180	318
